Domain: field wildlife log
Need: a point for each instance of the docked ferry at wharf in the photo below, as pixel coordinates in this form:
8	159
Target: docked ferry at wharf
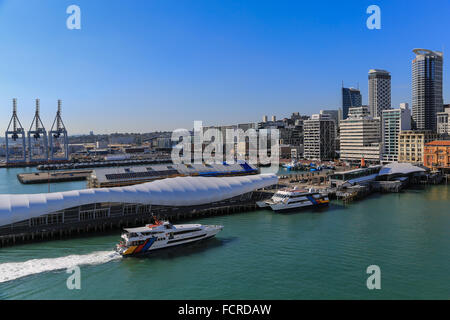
161	235
294	199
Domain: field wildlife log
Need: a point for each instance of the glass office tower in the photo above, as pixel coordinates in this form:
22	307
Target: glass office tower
427	98
351	97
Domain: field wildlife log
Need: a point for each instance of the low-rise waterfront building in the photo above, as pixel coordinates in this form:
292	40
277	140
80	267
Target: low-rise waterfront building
411	145
437	154
394	171
355	176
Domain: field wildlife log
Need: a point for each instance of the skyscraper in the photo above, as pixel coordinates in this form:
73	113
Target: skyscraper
427	98
351	97
379	92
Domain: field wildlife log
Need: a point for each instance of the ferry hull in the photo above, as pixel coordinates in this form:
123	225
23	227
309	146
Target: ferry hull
293	200
146	248
262	204
149	252
296	209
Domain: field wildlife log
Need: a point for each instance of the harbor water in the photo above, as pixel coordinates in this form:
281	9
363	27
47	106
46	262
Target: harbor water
313	254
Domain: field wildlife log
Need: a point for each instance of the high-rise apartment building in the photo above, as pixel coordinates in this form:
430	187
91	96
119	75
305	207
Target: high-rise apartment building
427	98
393	122
351	97
360	137
319	137
379	92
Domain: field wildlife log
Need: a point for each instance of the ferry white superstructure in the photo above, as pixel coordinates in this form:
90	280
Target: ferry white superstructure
294	199
162	235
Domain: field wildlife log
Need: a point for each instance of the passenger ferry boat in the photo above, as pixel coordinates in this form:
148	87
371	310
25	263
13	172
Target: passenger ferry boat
294	199
162	234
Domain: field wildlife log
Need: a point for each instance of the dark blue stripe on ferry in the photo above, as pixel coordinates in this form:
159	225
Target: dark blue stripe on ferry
209	173
149	244
312	199
246	167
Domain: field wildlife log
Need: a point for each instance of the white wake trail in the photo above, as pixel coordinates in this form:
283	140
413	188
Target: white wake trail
15	270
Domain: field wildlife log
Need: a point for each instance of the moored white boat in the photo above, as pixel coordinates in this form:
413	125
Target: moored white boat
294	199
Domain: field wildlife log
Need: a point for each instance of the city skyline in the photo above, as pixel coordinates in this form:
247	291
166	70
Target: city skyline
221	63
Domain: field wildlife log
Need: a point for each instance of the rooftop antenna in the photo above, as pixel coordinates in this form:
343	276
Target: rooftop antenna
37	137
15	133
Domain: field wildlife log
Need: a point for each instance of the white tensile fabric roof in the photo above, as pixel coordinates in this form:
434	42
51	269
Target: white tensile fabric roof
180	191
400	168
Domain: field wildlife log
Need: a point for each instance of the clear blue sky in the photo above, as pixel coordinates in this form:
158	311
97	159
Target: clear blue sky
144	65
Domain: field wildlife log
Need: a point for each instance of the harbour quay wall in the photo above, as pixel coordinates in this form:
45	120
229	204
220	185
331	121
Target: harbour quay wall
47	177
101	218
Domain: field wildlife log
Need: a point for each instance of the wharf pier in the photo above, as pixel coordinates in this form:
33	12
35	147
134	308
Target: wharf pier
27	218
130	216
308	178
31	164
52	177
101	164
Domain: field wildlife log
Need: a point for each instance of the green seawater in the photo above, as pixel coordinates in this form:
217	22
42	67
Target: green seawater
313	254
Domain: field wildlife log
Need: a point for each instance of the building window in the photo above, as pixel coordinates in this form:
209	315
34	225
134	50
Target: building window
93	214
38	221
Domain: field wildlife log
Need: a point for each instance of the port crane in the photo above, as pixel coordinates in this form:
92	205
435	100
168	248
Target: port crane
37	138
59	142
15	139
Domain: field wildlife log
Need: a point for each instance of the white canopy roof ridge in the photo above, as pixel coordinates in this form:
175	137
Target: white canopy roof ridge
400	168
180	191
